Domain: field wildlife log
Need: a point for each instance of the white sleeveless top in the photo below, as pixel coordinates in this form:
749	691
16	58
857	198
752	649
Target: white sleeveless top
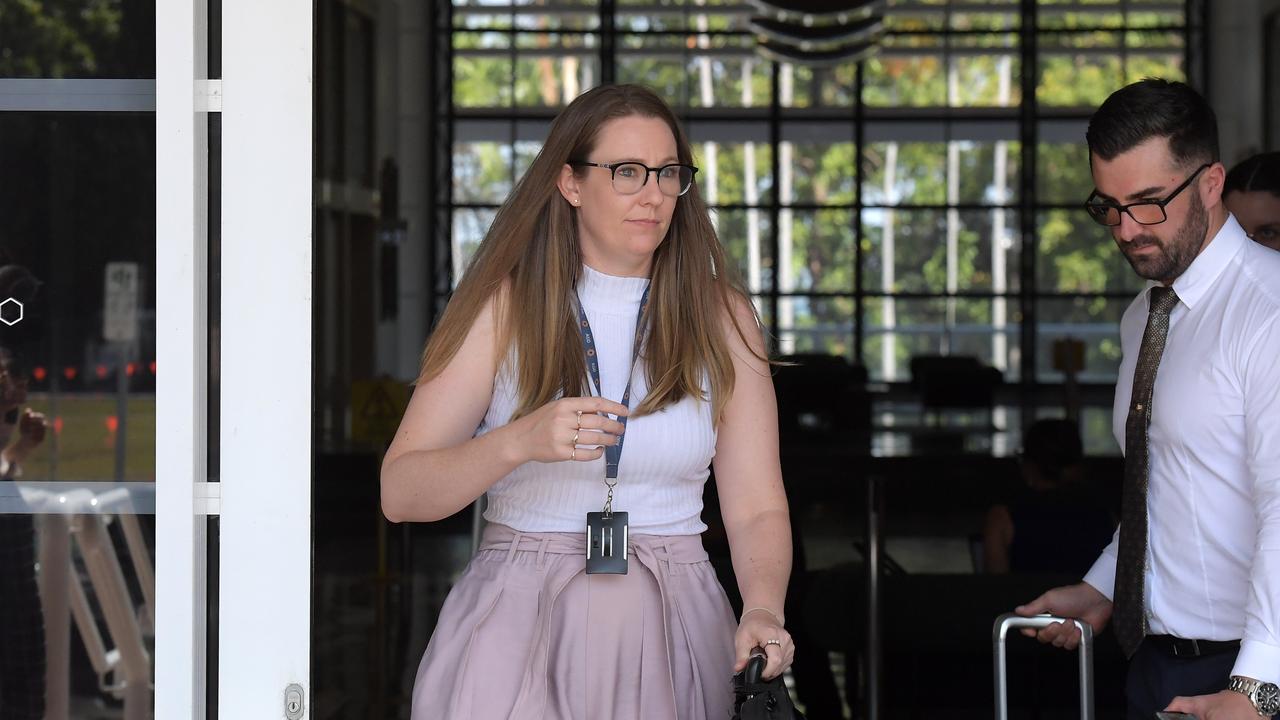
665	459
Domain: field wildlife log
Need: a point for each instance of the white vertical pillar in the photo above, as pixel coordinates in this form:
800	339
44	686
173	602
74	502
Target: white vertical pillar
265	549
888	274
182	153
782	269
751	194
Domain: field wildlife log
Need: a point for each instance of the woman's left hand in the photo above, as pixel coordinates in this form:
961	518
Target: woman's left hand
757	629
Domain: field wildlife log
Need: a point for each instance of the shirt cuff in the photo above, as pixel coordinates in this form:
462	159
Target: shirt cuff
1259	661
1102	576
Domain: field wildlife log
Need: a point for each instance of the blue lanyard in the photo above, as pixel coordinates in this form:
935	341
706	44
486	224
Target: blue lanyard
612	453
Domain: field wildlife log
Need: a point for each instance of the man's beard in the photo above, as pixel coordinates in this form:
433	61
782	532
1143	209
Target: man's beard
1171	259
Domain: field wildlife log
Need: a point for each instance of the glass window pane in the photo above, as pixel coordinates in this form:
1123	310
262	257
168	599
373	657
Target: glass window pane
821	251
1062	172
1010	18
747	236
909	71
586	19
469	228
740	175
1169	67
821	173
554	80
1094	321
1079	69
909	173
988	80
904	173
78	39
665	74
724	81
897	329
815	325
1076	255
481	81
907	250
78	384
481	172
821	86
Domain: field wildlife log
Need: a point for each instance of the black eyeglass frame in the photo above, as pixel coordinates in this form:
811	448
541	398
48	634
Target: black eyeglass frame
1091	203
613	172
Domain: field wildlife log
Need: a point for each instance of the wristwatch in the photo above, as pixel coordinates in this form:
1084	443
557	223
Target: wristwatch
1265	696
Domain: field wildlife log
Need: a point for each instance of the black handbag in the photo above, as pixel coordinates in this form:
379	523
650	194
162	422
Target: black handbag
757	699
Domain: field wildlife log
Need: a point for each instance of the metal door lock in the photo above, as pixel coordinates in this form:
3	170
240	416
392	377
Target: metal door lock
293	702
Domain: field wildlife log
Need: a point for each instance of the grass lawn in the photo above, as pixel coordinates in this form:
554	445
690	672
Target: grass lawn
85	445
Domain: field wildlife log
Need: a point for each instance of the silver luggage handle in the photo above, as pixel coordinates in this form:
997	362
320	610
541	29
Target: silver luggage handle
1010	621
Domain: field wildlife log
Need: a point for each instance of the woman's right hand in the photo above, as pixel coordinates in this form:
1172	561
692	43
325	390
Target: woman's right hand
547	434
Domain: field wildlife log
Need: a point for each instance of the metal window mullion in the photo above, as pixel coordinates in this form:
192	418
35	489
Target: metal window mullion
1029	135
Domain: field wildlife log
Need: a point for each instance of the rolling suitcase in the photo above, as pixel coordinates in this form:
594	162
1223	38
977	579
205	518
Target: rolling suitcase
1010	621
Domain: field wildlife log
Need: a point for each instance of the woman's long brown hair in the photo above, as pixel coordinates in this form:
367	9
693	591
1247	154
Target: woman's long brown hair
530	261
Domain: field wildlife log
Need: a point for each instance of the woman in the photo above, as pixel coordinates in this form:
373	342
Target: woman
599	303
1252	193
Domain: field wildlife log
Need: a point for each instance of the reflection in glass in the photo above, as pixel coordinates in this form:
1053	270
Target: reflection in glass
77	414
76	39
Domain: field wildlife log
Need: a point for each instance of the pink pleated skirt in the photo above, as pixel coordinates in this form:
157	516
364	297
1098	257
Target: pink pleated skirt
527	635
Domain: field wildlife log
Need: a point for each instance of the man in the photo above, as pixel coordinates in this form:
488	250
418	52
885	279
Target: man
1191	582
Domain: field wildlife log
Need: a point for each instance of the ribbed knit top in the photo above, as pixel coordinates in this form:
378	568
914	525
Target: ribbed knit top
666	457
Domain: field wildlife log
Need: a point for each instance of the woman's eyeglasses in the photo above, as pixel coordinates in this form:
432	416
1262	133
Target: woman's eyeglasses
630	177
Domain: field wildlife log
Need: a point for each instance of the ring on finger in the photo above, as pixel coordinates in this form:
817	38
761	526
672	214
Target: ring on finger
573	454
579	420
774	641
575	438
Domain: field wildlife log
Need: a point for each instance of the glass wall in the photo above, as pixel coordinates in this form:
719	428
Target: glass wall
77	358
922	201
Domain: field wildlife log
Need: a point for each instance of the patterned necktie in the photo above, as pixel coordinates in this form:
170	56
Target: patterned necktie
1129	618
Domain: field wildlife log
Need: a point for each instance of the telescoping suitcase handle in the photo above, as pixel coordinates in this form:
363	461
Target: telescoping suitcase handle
1010	621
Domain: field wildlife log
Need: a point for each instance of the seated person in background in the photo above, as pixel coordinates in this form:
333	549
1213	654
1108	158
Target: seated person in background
1052	525
1252	193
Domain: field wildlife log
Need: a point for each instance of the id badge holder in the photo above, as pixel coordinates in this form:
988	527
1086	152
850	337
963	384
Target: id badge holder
607	543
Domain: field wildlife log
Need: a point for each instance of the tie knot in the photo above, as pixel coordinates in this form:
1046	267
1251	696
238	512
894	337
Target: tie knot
1163	299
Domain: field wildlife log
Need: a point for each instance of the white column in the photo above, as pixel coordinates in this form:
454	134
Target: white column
181	190
782	268
953	215
265	547
751	194
888	276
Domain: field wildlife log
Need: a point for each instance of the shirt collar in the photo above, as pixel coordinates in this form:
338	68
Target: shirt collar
1192	284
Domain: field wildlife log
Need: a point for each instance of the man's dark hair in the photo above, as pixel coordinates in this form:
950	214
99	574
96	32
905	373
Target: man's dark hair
1153	108
1260	173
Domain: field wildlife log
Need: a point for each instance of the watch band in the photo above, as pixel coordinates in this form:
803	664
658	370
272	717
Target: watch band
1264	696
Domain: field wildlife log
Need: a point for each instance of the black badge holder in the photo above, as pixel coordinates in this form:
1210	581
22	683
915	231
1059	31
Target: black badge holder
607	543
607	530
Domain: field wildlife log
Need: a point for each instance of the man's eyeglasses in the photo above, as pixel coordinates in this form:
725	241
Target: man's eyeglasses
1143	212
629	177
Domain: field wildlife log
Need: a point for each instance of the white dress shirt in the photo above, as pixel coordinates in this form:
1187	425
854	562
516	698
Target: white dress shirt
1213	498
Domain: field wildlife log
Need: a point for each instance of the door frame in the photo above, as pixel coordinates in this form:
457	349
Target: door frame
262	496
